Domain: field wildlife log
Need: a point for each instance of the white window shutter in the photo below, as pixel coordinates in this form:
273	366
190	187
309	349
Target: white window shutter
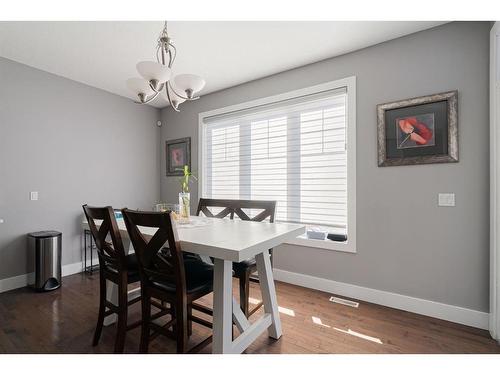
292	151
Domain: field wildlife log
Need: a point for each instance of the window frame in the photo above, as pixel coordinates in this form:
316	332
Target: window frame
350	84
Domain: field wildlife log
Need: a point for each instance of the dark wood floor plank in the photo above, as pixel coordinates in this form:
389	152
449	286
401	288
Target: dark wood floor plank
63	321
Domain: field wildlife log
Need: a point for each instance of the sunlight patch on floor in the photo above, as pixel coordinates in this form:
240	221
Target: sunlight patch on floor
286	311
360	335
318	321
282	310
253	301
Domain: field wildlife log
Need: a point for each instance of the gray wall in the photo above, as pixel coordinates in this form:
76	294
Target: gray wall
406	244
74	144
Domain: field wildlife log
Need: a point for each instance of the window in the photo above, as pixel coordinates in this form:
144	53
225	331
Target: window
296	148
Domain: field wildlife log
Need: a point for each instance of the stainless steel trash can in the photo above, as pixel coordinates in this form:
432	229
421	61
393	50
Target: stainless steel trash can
47	248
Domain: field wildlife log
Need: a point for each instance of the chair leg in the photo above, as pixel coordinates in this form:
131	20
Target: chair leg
172	314
122	316
181	326
190	322
244	292
146	318
102	309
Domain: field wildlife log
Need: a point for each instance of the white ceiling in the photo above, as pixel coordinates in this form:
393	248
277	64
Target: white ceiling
104	54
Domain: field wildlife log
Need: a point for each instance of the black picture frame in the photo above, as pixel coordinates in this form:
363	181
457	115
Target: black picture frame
422	130
178	154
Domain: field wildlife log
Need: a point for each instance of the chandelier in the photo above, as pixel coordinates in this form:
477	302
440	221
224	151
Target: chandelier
157	77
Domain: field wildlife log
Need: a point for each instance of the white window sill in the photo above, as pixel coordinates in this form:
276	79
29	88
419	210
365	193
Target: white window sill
323	244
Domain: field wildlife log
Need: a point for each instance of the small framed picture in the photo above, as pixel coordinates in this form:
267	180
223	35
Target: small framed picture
421	130
178	155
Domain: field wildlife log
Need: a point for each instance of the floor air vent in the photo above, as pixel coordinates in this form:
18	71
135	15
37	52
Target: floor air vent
344	302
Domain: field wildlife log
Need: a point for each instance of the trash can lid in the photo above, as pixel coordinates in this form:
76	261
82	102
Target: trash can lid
45	234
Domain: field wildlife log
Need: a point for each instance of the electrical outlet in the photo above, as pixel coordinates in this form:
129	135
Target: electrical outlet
1	221
34	196
446	199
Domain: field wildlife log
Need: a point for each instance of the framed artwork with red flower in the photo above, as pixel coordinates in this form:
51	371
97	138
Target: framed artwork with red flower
178	155
421	130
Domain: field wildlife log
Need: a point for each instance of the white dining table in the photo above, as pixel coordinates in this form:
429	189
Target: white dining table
229	241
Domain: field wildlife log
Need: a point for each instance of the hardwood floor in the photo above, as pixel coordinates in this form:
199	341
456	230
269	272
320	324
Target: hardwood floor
63	321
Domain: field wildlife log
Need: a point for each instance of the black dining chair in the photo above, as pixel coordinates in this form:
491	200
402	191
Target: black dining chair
169	275
114	266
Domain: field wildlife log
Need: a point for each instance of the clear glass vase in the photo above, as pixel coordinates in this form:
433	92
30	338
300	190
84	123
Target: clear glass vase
184	206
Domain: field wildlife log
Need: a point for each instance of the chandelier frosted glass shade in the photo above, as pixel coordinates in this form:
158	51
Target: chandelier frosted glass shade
188	84
152	70
175	99
139	86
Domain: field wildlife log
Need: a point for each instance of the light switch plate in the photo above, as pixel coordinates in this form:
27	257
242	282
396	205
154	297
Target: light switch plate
34	195
1	221
446	199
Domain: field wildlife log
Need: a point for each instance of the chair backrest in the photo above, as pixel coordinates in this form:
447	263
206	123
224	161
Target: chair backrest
111	254
232	207
156	262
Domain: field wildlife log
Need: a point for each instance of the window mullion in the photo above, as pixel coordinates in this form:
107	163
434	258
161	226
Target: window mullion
245	160
208	164
293	168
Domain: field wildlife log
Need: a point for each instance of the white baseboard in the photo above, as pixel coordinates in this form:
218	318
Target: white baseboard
438	310
16	282
21	281
71	269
